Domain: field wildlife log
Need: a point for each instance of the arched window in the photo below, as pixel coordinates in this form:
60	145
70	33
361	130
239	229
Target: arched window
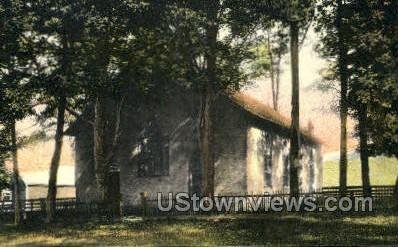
152	151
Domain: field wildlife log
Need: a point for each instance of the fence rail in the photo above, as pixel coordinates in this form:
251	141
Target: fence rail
378	192
149	207
34	205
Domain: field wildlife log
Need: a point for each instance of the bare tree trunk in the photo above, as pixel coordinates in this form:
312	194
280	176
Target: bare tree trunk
106	144
343	140
15	168
100	147
207	156
207	100
363	149
342	62
113	179
54	166
272	72
396	190
295	115
396	186
278	76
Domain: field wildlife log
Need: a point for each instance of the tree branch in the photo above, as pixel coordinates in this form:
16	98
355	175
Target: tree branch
78	115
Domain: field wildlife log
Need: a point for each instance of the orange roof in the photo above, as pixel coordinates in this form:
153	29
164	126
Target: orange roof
264	111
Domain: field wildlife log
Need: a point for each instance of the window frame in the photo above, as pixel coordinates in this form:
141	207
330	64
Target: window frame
151	143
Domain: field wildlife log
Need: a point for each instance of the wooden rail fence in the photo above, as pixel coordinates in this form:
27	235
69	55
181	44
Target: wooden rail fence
148	205
383	196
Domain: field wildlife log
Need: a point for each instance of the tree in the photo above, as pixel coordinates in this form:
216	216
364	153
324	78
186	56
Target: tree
373	95
56	70
277	47
369	35
210	65
208	97
299	15
15	97
377	97
342	61
295	114
268	51
335	37
123	57
4	178
4	154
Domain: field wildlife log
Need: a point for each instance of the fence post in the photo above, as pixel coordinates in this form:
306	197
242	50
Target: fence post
43	206
144	203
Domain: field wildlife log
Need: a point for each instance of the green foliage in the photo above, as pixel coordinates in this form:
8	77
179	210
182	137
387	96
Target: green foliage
369	33
14	62
272	42
187	22
14	57
261	65
4	151
55	37
122	47
4	177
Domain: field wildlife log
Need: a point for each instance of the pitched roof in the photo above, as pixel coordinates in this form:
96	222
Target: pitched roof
265	112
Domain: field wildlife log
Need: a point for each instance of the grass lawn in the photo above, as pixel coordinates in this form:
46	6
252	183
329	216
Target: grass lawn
309	229
383	171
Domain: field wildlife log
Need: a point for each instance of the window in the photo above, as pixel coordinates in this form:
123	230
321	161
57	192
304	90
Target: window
286	171
267	145
152	152
286	168
268	170
311	167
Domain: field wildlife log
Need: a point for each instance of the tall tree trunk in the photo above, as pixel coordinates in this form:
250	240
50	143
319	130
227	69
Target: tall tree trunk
363	150
106	144
278	83
52	182
15	168
396	186
207	100
206	135
342	63
396	190
272	72
295	115
100	147
112	193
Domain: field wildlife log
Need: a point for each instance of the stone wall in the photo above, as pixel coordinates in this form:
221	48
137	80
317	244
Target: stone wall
86	190
176	181
258	147
230	150
174	117
318	181
263	142
241	143
255	162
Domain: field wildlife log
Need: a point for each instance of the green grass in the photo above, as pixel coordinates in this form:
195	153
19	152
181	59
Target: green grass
310	229
377	228
383	171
